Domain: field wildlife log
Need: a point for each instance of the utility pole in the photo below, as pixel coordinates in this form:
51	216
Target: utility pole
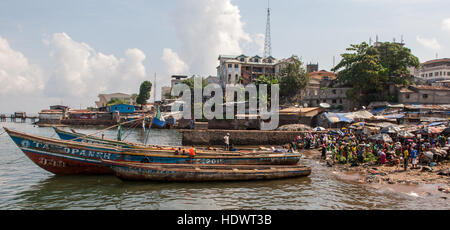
154	90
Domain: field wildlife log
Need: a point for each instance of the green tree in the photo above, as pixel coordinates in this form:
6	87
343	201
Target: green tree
117	101
144	93
134	97
266	80
397	59
293	78
370	70
190	82
363	71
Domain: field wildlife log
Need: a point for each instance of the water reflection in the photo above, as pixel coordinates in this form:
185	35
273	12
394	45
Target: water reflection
24	185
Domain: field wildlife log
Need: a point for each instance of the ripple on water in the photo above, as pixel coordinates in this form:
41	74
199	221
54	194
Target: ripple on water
23	185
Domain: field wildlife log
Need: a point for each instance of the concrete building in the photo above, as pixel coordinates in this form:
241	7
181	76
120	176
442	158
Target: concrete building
232	69
335	97
105	98
122	108
423	94
212	80
312	67
322	75
177	79
165	91
434	70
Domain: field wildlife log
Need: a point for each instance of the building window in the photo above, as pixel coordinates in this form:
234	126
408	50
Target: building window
425	96
230	66
430	74
407	96
448	74
237	78
340	101
229	77
334	101
436	74
242	59
334	91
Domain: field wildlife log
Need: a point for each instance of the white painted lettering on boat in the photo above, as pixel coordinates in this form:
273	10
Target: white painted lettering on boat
67	150
25	143
51	162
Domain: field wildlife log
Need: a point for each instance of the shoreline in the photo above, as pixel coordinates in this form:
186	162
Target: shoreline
413	182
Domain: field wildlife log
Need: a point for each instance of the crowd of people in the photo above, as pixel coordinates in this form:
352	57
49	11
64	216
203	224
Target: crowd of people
356	148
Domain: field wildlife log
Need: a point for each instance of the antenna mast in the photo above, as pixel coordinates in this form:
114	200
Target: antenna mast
267	43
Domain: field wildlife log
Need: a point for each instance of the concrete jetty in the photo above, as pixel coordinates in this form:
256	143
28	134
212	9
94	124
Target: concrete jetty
238	137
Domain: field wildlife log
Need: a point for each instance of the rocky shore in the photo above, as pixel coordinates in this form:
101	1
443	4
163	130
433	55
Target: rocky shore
384	175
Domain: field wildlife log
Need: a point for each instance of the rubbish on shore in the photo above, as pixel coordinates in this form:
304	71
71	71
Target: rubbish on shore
427	169
444	172
444	190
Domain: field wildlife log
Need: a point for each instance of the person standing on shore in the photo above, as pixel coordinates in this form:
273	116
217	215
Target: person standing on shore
414	154
405	158
324	151
227	141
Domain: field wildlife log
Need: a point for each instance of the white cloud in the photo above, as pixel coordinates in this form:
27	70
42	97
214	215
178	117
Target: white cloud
446	24
174	64
80	72
430	43
206	29
260	42
17	75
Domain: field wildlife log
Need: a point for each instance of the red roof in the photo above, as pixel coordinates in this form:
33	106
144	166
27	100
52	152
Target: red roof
437	61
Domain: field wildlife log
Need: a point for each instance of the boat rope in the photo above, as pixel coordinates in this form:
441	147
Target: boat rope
114	126
131	130
2	133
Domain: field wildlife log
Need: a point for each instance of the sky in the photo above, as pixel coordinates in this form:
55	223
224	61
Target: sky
69	51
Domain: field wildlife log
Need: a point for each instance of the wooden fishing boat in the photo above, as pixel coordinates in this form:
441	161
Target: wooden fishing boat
81	137
202	173
70	157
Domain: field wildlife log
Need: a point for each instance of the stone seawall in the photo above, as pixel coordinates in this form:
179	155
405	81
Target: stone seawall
238	137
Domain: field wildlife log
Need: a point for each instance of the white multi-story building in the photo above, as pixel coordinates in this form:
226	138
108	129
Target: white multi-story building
244	69
234	68
434	70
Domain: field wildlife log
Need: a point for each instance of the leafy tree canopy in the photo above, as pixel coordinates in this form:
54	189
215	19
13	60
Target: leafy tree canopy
190	82
117	101
144	93
293	78
369	70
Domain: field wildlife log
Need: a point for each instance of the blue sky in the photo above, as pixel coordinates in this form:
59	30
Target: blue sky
136	35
